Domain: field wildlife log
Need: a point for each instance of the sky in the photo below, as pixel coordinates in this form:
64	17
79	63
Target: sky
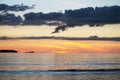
61	5
60	46
44	30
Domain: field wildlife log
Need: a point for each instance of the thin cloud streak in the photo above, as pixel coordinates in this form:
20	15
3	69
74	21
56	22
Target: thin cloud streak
64	38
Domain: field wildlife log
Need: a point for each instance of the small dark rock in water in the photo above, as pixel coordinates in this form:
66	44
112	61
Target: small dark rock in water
8	51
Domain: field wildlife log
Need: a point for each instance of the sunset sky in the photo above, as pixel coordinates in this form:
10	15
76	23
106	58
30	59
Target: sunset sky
60	46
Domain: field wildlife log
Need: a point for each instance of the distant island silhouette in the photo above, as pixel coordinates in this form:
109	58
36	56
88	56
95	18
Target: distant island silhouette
8	51
30	52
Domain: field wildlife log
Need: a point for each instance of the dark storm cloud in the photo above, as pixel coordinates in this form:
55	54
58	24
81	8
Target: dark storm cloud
63	27
97	16
91	16
42	16
5	7
52	18
10	19
7	18
63	38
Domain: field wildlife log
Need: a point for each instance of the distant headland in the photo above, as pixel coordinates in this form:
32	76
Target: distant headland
8	51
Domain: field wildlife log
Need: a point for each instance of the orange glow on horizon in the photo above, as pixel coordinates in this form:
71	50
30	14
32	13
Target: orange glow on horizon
61	46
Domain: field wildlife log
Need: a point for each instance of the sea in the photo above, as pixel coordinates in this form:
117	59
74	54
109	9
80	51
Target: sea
59	66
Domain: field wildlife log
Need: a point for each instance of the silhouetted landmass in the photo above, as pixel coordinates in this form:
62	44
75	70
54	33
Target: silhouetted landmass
65	38
8	51
97	16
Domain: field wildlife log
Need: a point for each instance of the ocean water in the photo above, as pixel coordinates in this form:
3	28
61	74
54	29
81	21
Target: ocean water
51	66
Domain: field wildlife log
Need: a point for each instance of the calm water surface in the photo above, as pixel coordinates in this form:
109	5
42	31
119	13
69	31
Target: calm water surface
31	66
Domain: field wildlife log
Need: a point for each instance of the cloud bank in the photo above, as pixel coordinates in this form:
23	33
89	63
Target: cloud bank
97	16
22	7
